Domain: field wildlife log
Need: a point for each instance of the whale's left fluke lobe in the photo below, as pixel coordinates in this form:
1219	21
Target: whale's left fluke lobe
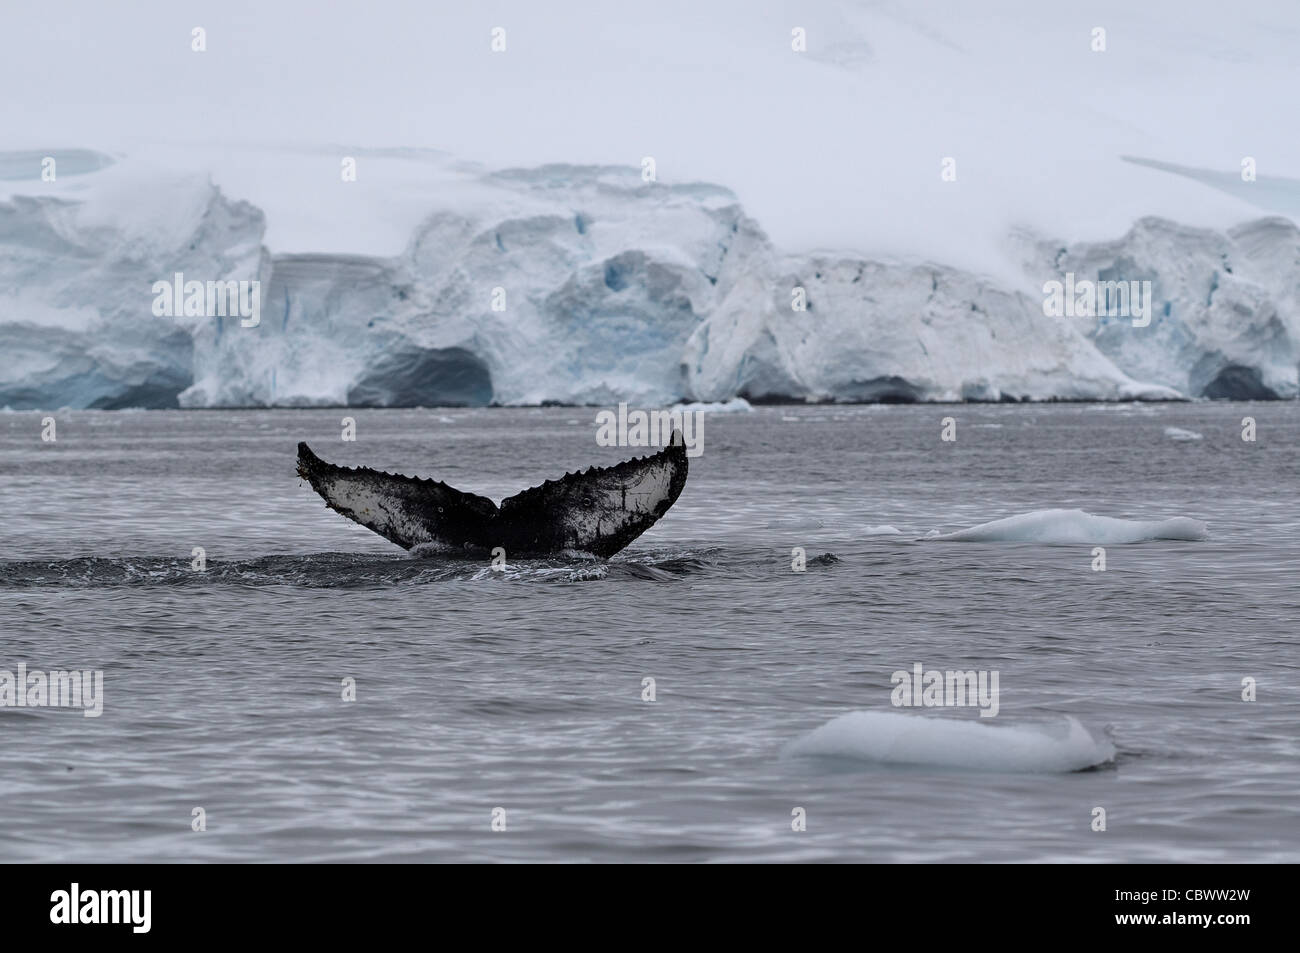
599	511
407	510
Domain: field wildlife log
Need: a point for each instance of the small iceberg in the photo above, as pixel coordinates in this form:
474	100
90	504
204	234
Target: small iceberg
889	737
1178	433
1075	526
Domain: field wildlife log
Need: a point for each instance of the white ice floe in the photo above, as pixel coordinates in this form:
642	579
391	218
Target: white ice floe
888	737
737	405
1075	526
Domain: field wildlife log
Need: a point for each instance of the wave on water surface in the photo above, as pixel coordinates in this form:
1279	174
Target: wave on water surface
889	737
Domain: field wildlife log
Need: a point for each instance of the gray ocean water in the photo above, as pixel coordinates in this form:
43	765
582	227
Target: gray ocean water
523	689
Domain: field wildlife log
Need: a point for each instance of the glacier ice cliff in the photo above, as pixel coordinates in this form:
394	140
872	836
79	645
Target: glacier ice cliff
1226	321
586	285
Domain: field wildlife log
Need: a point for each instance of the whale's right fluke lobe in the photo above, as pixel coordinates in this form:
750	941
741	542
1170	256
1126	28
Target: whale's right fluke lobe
602	509
597	511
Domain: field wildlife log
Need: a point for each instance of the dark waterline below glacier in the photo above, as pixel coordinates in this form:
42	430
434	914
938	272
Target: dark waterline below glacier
523	689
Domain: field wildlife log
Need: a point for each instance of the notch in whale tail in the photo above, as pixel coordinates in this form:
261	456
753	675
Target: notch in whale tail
599	510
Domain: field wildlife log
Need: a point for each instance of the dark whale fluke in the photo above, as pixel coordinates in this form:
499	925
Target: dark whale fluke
597	511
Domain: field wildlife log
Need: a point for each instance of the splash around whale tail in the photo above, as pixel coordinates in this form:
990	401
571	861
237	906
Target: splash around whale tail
599	510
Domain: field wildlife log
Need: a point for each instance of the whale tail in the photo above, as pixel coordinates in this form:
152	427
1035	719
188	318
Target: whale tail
599	510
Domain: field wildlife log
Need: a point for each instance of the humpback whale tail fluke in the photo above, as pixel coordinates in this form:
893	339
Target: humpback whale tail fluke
599	510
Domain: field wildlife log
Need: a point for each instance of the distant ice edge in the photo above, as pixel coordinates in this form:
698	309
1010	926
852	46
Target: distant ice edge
899	738
614	291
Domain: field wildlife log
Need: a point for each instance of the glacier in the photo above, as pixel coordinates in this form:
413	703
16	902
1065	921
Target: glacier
585	284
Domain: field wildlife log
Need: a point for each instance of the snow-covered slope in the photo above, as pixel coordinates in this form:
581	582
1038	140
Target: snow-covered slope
836	147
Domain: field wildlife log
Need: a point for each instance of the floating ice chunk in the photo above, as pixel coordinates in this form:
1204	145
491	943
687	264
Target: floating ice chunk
889	737
1178	433
737	405
1075	526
